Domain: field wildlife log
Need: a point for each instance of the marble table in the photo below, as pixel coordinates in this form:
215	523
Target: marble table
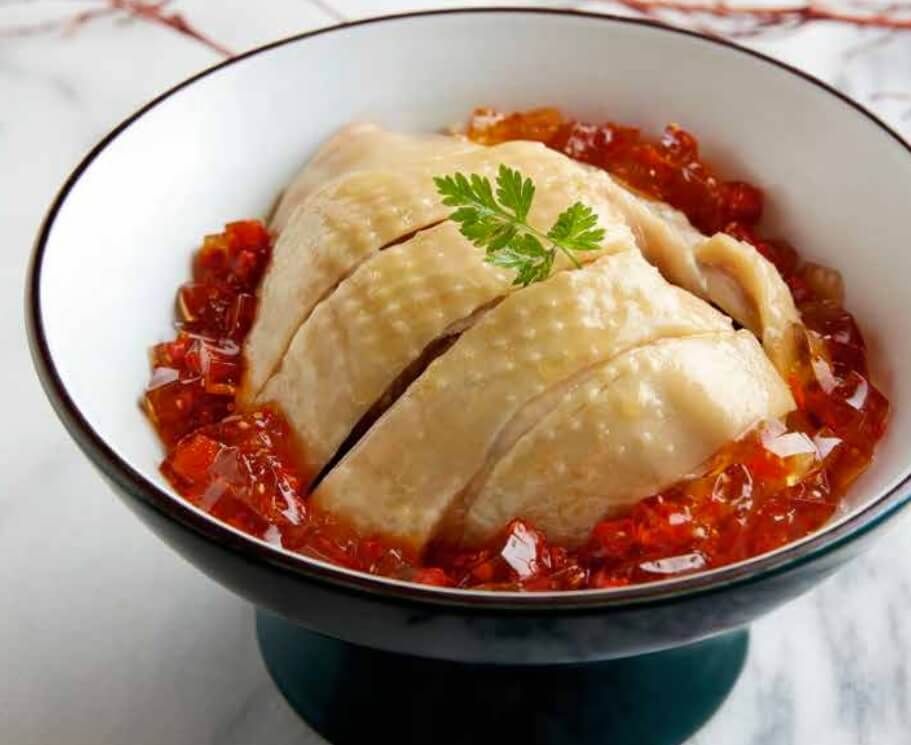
106	637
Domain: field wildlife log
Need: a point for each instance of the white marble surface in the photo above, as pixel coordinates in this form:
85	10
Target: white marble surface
107	637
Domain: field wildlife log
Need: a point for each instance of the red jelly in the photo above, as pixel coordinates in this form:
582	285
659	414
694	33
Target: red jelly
194	377
669	169
774	486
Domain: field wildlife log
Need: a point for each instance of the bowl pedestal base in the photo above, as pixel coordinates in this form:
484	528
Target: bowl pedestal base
352	695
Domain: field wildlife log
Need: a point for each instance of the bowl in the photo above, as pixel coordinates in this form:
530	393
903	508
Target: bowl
218	147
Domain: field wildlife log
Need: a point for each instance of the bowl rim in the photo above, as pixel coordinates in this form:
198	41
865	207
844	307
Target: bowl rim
123	475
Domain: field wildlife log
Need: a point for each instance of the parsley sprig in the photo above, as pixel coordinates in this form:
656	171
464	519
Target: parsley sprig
499	224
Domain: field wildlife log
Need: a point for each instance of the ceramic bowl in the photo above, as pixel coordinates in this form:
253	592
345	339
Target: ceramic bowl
220	146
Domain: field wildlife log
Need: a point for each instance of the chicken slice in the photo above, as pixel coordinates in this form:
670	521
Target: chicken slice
725	271
737	276
634	426
350	221
358	147
358	342
400	479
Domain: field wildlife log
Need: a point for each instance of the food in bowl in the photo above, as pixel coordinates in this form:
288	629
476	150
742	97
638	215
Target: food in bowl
595	374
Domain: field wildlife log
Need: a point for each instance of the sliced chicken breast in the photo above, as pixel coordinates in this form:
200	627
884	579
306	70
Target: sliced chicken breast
404	475
731	274
738	276
347	223
360	340
359	147
633	426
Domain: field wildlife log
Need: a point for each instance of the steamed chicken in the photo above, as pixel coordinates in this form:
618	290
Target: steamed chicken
431	401
361	285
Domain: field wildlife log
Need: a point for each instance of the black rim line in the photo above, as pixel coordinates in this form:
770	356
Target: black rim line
122	473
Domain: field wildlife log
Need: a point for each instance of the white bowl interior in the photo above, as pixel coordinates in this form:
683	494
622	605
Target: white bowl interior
221	148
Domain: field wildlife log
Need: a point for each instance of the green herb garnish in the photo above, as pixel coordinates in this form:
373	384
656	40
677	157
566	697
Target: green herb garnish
499	223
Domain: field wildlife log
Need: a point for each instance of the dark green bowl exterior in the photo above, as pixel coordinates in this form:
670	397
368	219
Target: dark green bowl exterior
621	702
446	624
